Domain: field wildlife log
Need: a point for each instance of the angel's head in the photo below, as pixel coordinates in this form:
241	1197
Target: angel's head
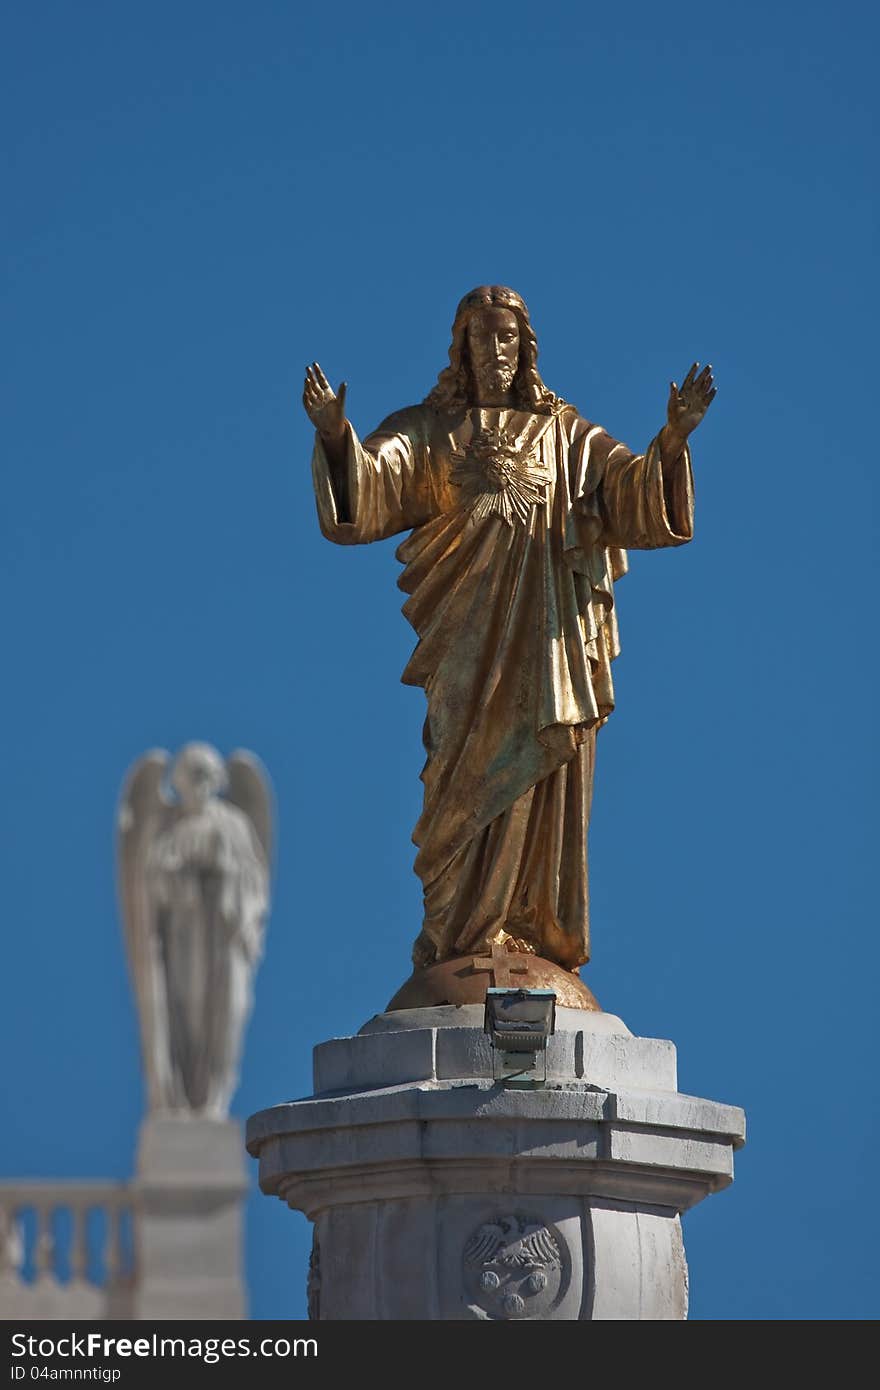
198	775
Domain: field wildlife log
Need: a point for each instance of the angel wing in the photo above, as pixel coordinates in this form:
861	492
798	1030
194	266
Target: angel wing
250	790
484	1244
539	1245
143	812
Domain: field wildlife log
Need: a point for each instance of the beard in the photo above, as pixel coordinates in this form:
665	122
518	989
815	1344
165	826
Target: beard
495	376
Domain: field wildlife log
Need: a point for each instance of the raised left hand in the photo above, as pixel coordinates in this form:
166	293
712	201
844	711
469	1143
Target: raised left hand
689	402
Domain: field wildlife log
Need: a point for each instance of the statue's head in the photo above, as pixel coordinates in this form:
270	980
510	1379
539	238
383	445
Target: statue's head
493	350
198	775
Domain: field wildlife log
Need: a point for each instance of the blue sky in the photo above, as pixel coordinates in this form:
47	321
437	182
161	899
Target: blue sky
203	197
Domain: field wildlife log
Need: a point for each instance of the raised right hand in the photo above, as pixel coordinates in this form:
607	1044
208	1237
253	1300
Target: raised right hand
324	408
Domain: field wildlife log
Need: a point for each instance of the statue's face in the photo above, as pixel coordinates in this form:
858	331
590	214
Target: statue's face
493	342
198	777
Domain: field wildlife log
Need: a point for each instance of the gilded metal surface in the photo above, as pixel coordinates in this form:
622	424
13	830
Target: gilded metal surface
465	979
520	512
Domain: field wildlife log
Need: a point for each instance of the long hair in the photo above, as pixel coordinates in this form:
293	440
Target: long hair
455	386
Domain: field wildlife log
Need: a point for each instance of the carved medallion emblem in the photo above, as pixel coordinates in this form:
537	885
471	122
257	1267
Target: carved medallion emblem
514	1267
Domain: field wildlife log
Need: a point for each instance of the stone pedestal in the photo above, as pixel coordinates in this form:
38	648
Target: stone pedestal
437	1192
190	1188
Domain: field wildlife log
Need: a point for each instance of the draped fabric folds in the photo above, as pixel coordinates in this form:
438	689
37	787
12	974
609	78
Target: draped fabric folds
519	526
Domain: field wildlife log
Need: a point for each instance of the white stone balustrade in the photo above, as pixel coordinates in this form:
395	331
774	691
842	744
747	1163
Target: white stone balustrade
67	1249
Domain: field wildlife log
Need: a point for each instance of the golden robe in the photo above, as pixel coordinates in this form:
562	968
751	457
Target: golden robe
519	527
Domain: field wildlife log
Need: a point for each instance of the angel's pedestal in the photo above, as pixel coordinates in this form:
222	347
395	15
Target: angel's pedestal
190	1188
437	1192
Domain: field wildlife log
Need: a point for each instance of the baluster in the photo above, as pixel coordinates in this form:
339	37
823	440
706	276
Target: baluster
134	1240
44	1245
79	1243
113	1256
11	1244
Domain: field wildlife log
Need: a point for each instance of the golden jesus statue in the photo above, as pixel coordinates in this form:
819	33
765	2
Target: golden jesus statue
520	512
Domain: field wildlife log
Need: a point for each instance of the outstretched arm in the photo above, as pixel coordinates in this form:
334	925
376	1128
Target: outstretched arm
365	491
684	411
644	501
326	410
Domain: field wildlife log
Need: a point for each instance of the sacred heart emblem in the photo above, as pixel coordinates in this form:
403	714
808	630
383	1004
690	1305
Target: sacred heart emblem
499	478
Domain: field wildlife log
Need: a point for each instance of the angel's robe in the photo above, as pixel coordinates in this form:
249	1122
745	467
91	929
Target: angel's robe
207	885
520	524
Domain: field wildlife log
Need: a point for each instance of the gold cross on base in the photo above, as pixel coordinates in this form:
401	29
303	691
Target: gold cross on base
503	964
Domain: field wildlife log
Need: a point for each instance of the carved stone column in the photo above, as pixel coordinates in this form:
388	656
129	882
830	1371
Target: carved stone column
438	1193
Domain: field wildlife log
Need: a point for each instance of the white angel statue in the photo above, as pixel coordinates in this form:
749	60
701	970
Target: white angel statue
194	858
